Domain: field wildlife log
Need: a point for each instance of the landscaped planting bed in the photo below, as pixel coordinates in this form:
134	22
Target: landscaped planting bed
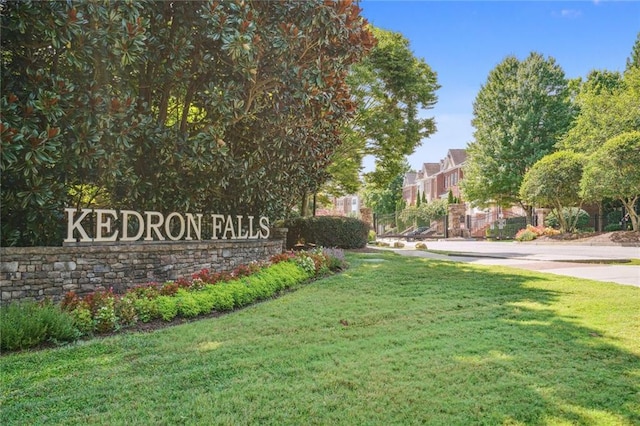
28	324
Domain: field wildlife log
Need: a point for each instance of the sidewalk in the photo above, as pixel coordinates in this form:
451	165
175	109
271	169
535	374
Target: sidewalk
575	260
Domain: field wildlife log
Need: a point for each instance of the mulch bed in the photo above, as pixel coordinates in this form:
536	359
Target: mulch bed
616	237
625	237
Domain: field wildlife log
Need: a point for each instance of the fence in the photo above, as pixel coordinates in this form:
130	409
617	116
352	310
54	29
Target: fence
496	225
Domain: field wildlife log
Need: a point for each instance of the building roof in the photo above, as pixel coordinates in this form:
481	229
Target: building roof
430	169
409	178
458	156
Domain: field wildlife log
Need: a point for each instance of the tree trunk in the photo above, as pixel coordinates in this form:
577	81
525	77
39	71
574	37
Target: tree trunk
315	199
529	214
600	216
304	210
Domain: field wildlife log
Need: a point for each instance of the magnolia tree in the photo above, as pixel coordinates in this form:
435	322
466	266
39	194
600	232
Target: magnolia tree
613	171
234	107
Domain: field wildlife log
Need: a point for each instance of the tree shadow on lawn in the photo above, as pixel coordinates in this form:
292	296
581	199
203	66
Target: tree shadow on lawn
506	354
396	341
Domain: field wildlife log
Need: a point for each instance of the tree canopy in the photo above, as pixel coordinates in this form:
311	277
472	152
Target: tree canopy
519	114
554	181
385	200
608	106
391	87
232	107
613	172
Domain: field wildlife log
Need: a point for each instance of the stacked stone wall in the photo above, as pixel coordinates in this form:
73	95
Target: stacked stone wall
36	273
456	220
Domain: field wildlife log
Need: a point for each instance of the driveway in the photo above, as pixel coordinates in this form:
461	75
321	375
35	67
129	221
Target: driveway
575	260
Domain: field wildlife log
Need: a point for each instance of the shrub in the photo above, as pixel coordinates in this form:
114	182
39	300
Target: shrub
126	309
206	302
167	307
550	231
327	231
372	236
103	308
421	246
614	217
222	297
170	288
525	235
262	288
21	326
209	277
82	318
147	291
335	259
398	244
282	257
105	318
186	304
240	292
569	214
306	263
613	227
146	309
26	324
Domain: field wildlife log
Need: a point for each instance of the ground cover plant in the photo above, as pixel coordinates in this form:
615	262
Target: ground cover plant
392	340
27	324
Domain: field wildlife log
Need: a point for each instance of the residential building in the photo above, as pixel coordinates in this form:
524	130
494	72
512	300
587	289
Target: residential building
348	205
409	188
435	180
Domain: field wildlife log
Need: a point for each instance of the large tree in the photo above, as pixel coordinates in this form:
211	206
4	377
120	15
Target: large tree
231	106
519	114
608	105
554	181
613	171
392	89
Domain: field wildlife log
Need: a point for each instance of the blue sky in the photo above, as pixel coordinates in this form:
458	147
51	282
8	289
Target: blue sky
464	40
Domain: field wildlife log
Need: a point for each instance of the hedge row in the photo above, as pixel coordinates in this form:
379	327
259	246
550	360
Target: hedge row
326	231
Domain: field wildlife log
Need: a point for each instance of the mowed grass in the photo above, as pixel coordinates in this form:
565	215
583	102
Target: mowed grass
393	340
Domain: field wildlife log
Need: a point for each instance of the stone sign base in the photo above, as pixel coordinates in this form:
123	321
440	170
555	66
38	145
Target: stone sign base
49	272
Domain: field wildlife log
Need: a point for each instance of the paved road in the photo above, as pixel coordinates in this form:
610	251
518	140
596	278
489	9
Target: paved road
562	259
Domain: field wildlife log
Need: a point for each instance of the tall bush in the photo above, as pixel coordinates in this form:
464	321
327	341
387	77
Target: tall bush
27	324
571	215
327	231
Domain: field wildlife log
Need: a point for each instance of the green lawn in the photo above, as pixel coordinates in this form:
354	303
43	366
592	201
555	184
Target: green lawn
393	340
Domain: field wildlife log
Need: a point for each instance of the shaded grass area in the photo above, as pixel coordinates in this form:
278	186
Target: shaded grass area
394	340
